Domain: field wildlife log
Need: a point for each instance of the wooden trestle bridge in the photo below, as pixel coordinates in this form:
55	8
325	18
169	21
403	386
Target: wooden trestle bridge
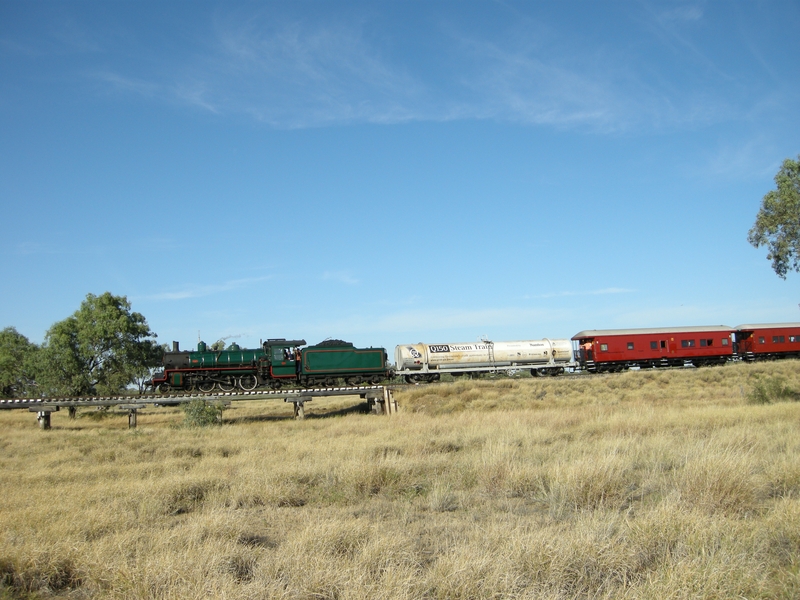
378	397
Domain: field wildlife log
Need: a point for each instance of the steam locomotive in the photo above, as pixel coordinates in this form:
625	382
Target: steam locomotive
276	363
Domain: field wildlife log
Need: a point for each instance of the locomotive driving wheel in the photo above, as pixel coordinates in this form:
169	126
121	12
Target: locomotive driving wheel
248	382
226	385
206	386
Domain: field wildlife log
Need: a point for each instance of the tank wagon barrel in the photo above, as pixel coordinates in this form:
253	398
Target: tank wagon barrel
427	362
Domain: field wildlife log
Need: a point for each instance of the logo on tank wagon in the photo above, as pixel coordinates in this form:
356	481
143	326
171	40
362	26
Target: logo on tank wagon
439	348
413	352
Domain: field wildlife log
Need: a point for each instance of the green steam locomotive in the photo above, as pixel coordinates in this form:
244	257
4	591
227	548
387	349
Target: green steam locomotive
277	363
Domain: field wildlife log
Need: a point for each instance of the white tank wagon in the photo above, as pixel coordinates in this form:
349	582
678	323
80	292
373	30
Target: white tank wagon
427	362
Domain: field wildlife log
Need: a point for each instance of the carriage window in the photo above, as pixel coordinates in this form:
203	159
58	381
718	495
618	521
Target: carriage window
761	340
706	342
630	345
778	339
663	344
794	338
687	343
603	347
653	345
724	341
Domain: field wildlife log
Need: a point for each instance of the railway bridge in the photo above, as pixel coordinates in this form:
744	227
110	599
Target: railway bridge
378	397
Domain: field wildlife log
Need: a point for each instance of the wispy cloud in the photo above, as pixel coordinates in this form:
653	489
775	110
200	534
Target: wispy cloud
295	73
600	292
199	291
340	277
433	320
754	158
123	83
683	13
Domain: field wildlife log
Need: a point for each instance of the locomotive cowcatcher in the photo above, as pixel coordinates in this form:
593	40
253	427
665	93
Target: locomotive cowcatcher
277	362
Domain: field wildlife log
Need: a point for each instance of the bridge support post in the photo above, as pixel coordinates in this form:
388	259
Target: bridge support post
382	403
73	411
44	419
133	412
43	415
389	402
299	410
299	405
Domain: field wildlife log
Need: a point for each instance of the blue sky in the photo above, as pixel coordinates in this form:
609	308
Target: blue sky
394	172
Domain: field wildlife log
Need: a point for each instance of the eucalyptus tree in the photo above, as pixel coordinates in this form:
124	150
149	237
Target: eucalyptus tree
777	224
16	363
100	349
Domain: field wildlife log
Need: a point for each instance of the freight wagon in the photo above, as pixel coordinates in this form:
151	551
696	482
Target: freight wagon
427	362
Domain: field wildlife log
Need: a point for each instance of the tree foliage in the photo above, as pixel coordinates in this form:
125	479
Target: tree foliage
777	224
102	348
16	363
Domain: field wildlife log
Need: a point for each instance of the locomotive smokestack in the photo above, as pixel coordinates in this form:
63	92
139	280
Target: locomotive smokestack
176	347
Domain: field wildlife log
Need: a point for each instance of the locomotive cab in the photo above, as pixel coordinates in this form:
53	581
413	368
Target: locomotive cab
282	357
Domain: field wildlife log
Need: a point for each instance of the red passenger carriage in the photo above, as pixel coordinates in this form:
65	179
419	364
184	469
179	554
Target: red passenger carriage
768	341
617	349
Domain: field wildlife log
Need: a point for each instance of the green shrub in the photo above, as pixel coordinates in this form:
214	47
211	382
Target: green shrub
771	389
200	413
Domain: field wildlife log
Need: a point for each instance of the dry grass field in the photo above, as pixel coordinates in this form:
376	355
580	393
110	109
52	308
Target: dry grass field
650	484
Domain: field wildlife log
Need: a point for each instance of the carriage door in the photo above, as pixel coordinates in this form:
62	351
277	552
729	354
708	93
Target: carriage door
743	344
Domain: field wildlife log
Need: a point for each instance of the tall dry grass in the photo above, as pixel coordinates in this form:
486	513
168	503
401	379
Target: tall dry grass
639	485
